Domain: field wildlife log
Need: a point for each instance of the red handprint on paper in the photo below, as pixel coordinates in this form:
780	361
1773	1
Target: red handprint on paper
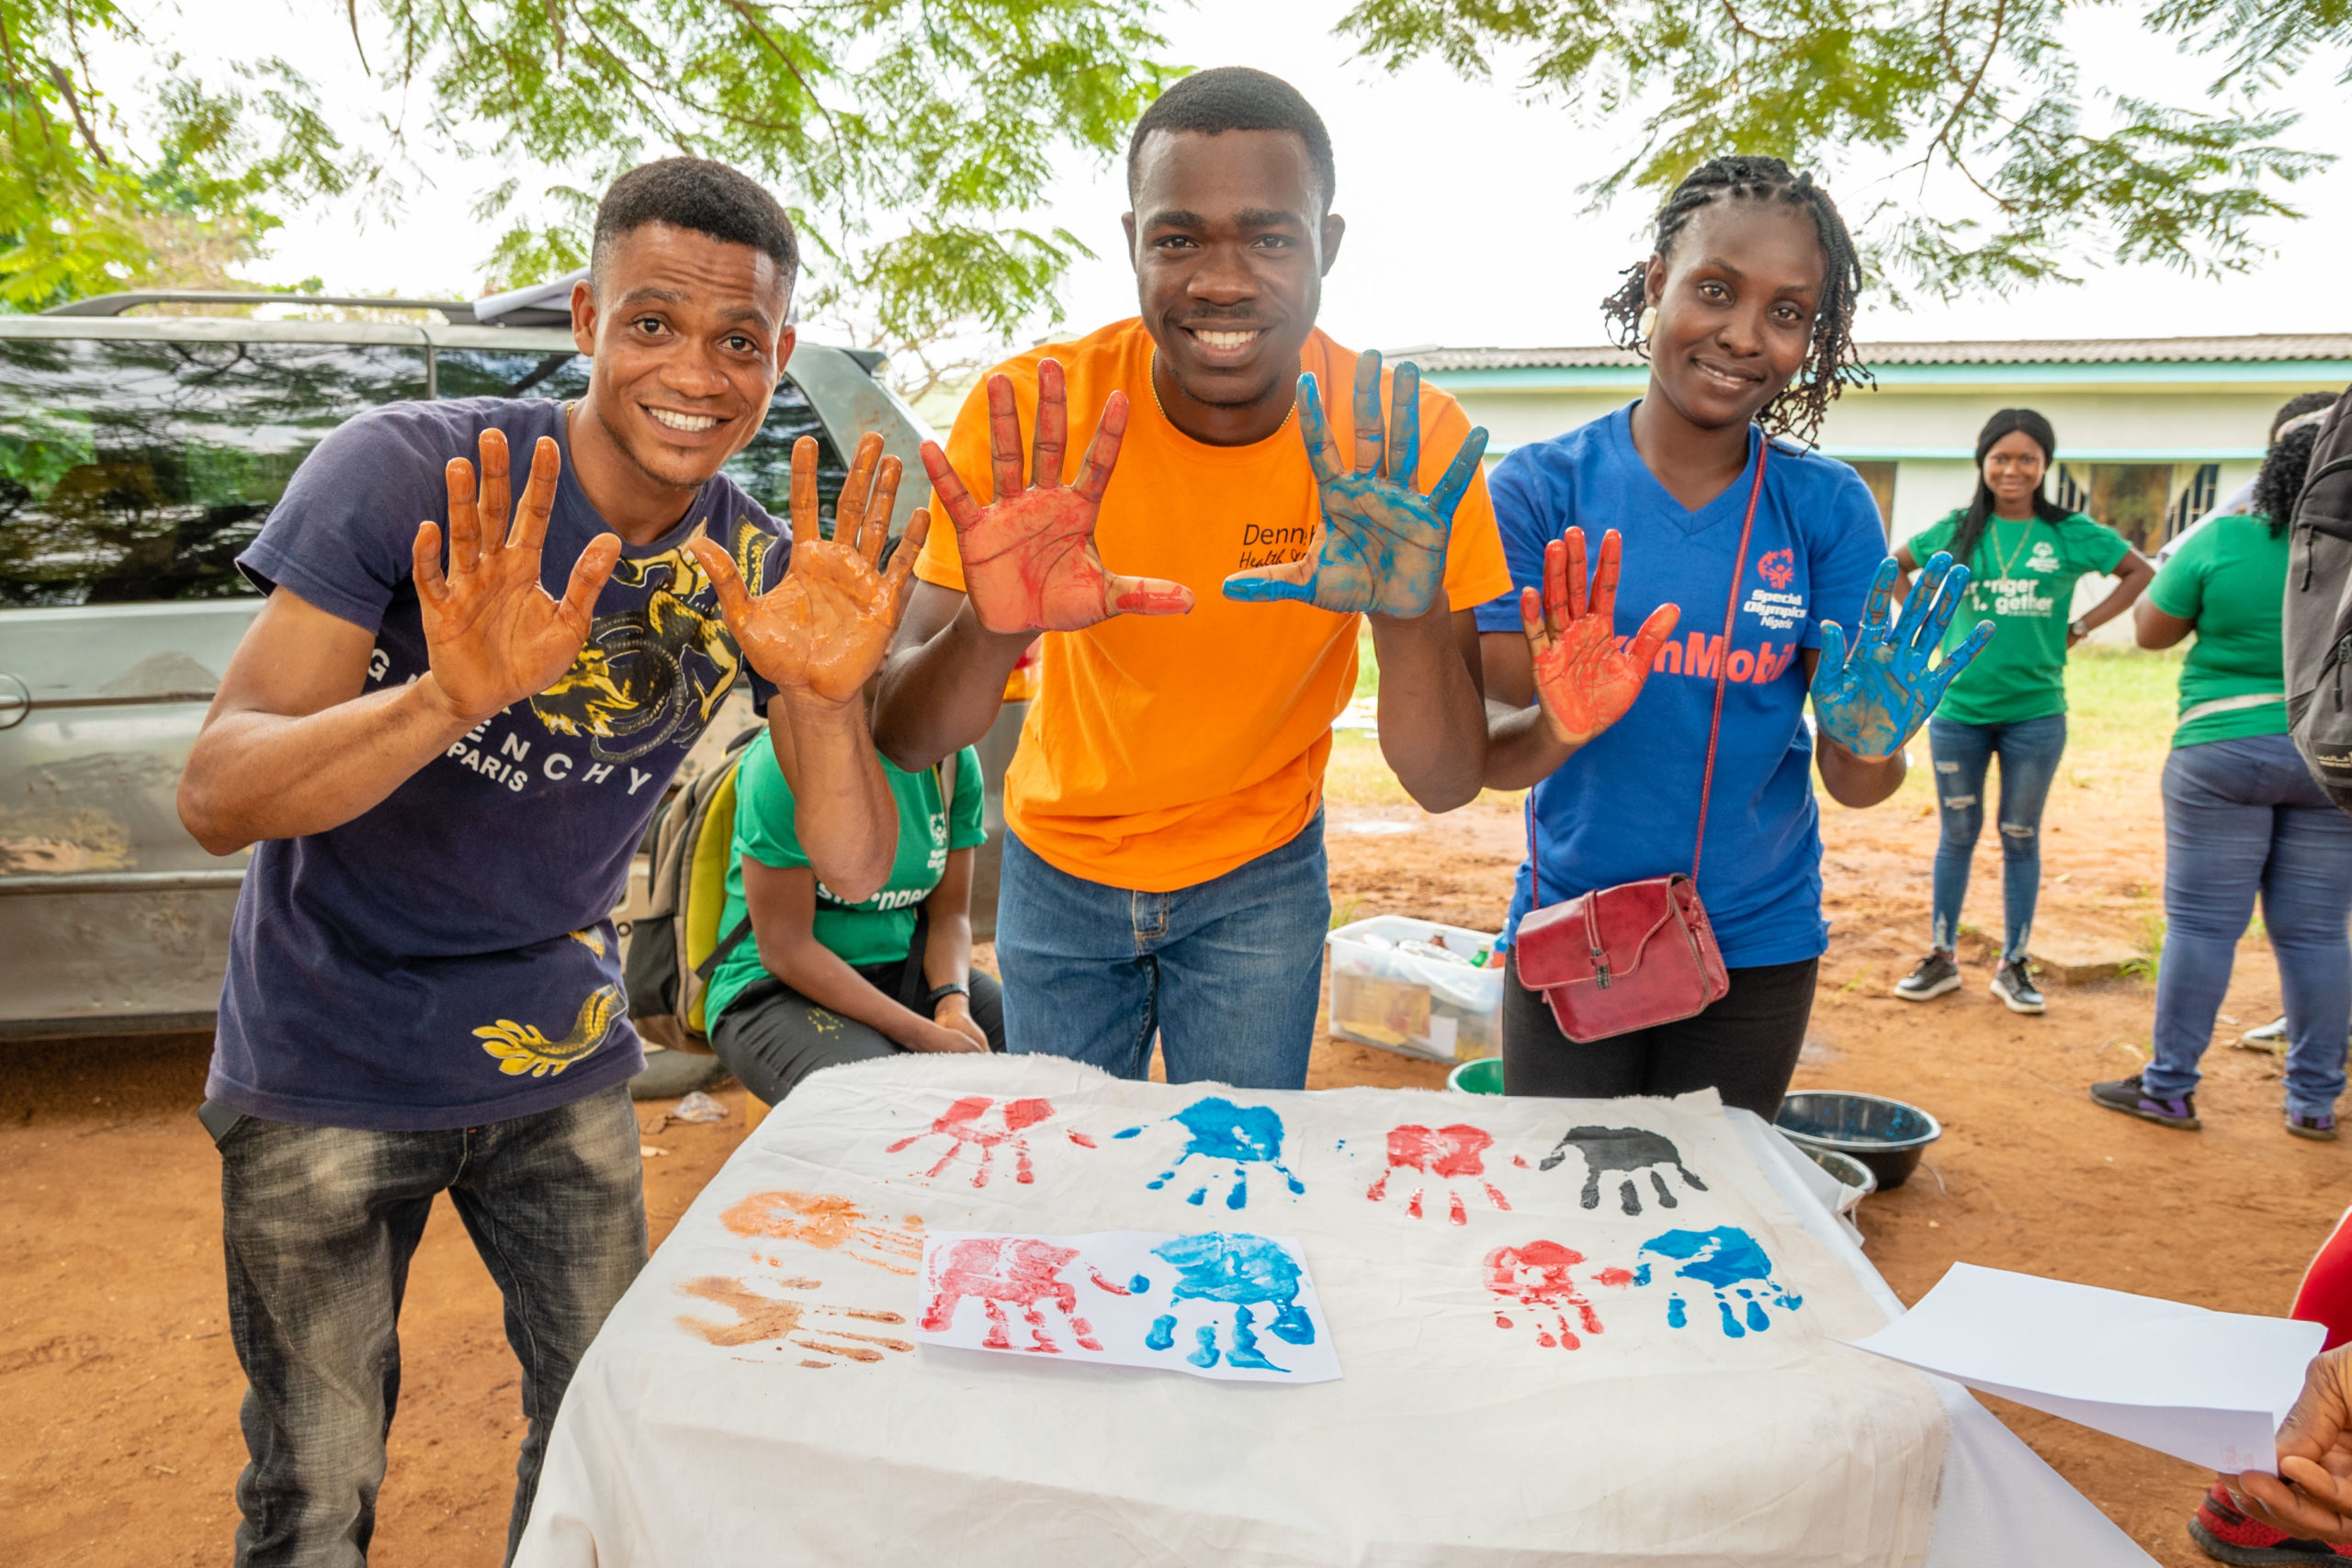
1536	1277
828	1222
965	1127
760	1317
1449	1154
1019	1272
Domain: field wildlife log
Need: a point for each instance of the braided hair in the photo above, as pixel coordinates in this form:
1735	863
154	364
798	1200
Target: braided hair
1973	522
2280	483
1831	364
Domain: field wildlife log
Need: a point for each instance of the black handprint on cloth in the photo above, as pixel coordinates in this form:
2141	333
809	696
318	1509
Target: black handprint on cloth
1626	1150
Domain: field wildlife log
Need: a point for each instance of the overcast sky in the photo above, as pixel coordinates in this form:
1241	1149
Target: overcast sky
1464	226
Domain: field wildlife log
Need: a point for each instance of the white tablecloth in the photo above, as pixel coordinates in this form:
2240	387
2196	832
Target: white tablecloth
756	1396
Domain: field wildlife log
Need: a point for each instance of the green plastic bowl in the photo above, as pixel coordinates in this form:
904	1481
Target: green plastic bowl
1484	1076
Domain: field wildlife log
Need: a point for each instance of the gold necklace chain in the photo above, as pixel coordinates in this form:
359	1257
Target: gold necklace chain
2010	566
1151	380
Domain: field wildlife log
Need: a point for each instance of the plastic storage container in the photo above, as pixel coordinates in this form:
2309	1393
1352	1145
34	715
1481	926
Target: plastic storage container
1416	987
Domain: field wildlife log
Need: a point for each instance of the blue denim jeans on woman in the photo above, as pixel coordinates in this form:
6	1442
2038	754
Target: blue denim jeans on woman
1227	973
2243	817
2028	750
319	1225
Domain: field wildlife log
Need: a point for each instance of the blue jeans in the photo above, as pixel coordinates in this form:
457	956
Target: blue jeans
1227	973
2241	818
319	1224
2028	750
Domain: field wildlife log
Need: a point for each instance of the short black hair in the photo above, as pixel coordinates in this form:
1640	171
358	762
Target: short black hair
1234	97
697	194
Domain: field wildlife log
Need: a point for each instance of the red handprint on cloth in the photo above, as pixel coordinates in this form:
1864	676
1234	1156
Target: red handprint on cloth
964	1126
1536	1277
1021	1271
1449	1154
828	1222
760	1317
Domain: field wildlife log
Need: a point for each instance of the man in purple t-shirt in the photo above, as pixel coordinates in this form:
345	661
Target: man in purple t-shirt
445	741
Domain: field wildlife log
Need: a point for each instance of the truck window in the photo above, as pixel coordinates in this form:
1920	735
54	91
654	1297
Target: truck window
764	469
133	470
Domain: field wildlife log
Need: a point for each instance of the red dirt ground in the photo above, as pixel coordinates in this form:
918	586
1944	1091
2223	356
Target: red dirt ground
120	1390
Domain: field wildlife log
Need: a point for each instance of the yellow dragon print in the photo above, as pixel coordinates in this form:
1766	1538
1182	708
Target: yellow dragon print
646	674
524	1048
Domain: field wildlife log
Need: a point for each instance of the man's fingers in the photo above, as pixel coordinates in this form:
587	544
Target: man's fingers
1263	586
1004	430
1102	452
589	575
1404	424
805	524
873	535
2311	1505
1316	431
530	530
497	487
901	568
1053	428
1642	652
1367	410
425	564
1145	595
1577	574
734	599
849	507
1604	577
948	486
465	522
1455	483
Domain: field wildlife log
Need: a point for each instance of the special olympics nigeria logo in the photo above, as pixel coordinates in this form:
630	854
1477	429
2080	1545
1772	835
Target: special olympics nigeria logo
1779	566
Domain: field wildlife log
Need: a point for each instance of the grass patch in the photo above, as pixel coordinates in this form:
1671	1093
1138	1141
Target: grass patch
2121	701
1358	774
1367	665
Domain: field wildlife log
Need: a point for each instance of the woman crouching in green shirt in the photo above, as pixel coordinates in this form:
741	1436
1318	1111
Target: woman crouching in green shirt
2027	553
823	982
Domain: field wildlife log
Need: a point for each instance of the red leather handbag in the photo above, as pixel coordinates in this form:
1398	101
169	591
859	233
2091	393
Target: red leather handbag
1622	958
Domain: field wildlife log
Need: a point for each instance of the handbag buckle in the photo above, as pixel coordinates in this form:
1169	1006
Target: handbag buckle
1600	968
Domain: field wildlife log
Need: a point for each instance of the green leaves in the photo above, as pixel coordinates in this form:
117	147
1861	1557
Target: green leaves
2007	172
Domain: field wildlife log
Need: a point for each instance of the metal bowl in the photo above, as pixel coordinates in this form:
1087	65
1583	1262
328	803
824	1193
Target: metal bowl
1849	1172
1885	1134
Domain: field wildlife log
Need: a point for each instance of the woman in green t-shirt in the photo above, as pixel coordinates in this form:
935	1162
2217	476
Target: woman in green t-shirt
2027	553
823	982
2243	817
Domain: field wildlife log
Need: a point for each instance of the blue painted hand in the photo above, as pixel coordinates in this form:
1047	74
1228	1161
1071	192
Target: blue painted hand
1871	700
1379	547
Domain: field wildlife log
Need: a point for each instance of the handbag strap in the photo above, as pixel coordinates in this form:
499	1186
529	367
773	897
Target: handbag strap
1714	725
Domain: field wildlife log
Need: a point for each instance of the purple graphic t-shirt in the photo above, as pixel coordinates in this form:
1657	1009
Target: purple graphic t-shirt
447	958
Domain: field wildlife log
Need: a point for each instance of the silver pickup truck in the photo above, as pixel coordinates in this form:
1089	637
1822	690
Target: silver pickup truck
138	456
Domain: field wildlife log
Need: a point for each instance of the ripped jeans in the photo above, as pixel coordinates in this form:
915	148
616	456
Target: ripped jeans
2028	750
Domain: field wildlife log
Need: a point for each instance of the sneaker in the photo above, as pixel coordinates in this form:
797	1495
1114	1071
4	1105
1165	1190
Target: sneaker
1935	974
2228	1536
2320	1128
2128	1096
2271	1034
2013	983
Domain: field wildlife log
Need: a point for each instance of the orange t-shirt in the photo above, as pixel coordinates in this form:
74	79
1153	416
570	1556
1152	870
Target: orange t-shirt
1163	750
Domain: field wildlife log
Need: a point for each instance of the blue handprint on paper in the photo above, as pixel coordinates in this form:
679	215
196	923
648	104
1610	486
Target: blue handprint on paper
1379	545
1872	699
1243	1272
1728	1262
1239	1135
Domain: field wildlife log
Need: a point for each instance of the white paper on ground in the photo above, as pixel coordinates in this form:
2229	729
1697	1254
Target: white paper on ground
2207	1387
1215	1304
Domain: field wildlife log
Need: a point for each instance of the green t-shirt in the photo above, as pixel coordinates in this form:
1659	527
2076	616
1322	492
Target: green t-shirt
878	930
2023	581
2230	576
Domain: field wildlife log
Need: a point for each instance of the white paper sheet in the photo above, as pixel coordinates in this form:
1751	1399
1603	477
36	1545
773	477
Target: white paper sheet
2207	1387
1220	1304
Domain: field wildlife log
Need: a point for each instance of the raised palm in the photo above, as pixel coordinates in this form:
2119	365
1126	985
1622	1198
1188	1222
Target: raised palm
825	627
1379	543
1029	557
1585	678
1871	700
493	636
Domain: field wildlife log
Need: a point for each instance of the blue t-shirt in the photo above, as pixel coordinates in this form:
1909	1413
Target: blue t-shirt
1626	807
447	958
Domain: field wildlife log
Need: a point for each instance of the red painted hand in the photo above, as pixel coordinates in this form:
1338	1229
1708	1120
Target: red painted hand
824	628
1029	557
1584	679
493	633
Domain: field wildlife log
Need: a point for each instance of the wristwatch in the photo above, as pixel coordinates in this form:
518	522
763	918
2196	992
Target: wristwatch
953	988
2075	627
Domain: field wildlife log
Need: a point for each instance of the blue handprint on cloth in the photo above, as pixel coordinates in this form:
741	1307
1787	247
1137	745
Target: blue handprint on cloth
1379	547
1242	1272
1871	701
1727	1262
1242	1135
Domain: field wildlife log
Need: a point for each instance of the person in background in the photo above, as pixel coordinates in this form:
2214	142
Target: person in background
2243	818
2241	500
1745	311
2027	553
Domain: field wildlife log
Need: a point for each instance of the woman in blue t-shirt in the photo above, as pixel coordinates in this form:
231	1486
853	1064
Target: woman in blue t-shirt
1745	312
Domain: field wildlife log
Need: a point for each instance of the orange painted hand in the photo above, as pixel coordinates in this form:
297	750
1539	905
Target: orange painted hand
1029	557
824	628
492	635
1584	677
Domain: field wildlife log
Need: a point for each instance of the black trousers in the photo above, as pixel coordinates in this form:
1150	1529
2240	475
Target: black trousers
1745	1046
771	1036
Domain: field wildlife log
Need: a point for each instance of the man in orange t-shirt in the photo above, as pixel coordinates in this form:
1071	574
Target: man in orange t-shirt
1164	863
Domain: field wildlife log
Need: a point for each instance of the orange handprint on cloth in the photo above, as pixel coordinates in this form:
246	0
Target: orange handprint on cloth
1584	677
760	1317
828	1222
